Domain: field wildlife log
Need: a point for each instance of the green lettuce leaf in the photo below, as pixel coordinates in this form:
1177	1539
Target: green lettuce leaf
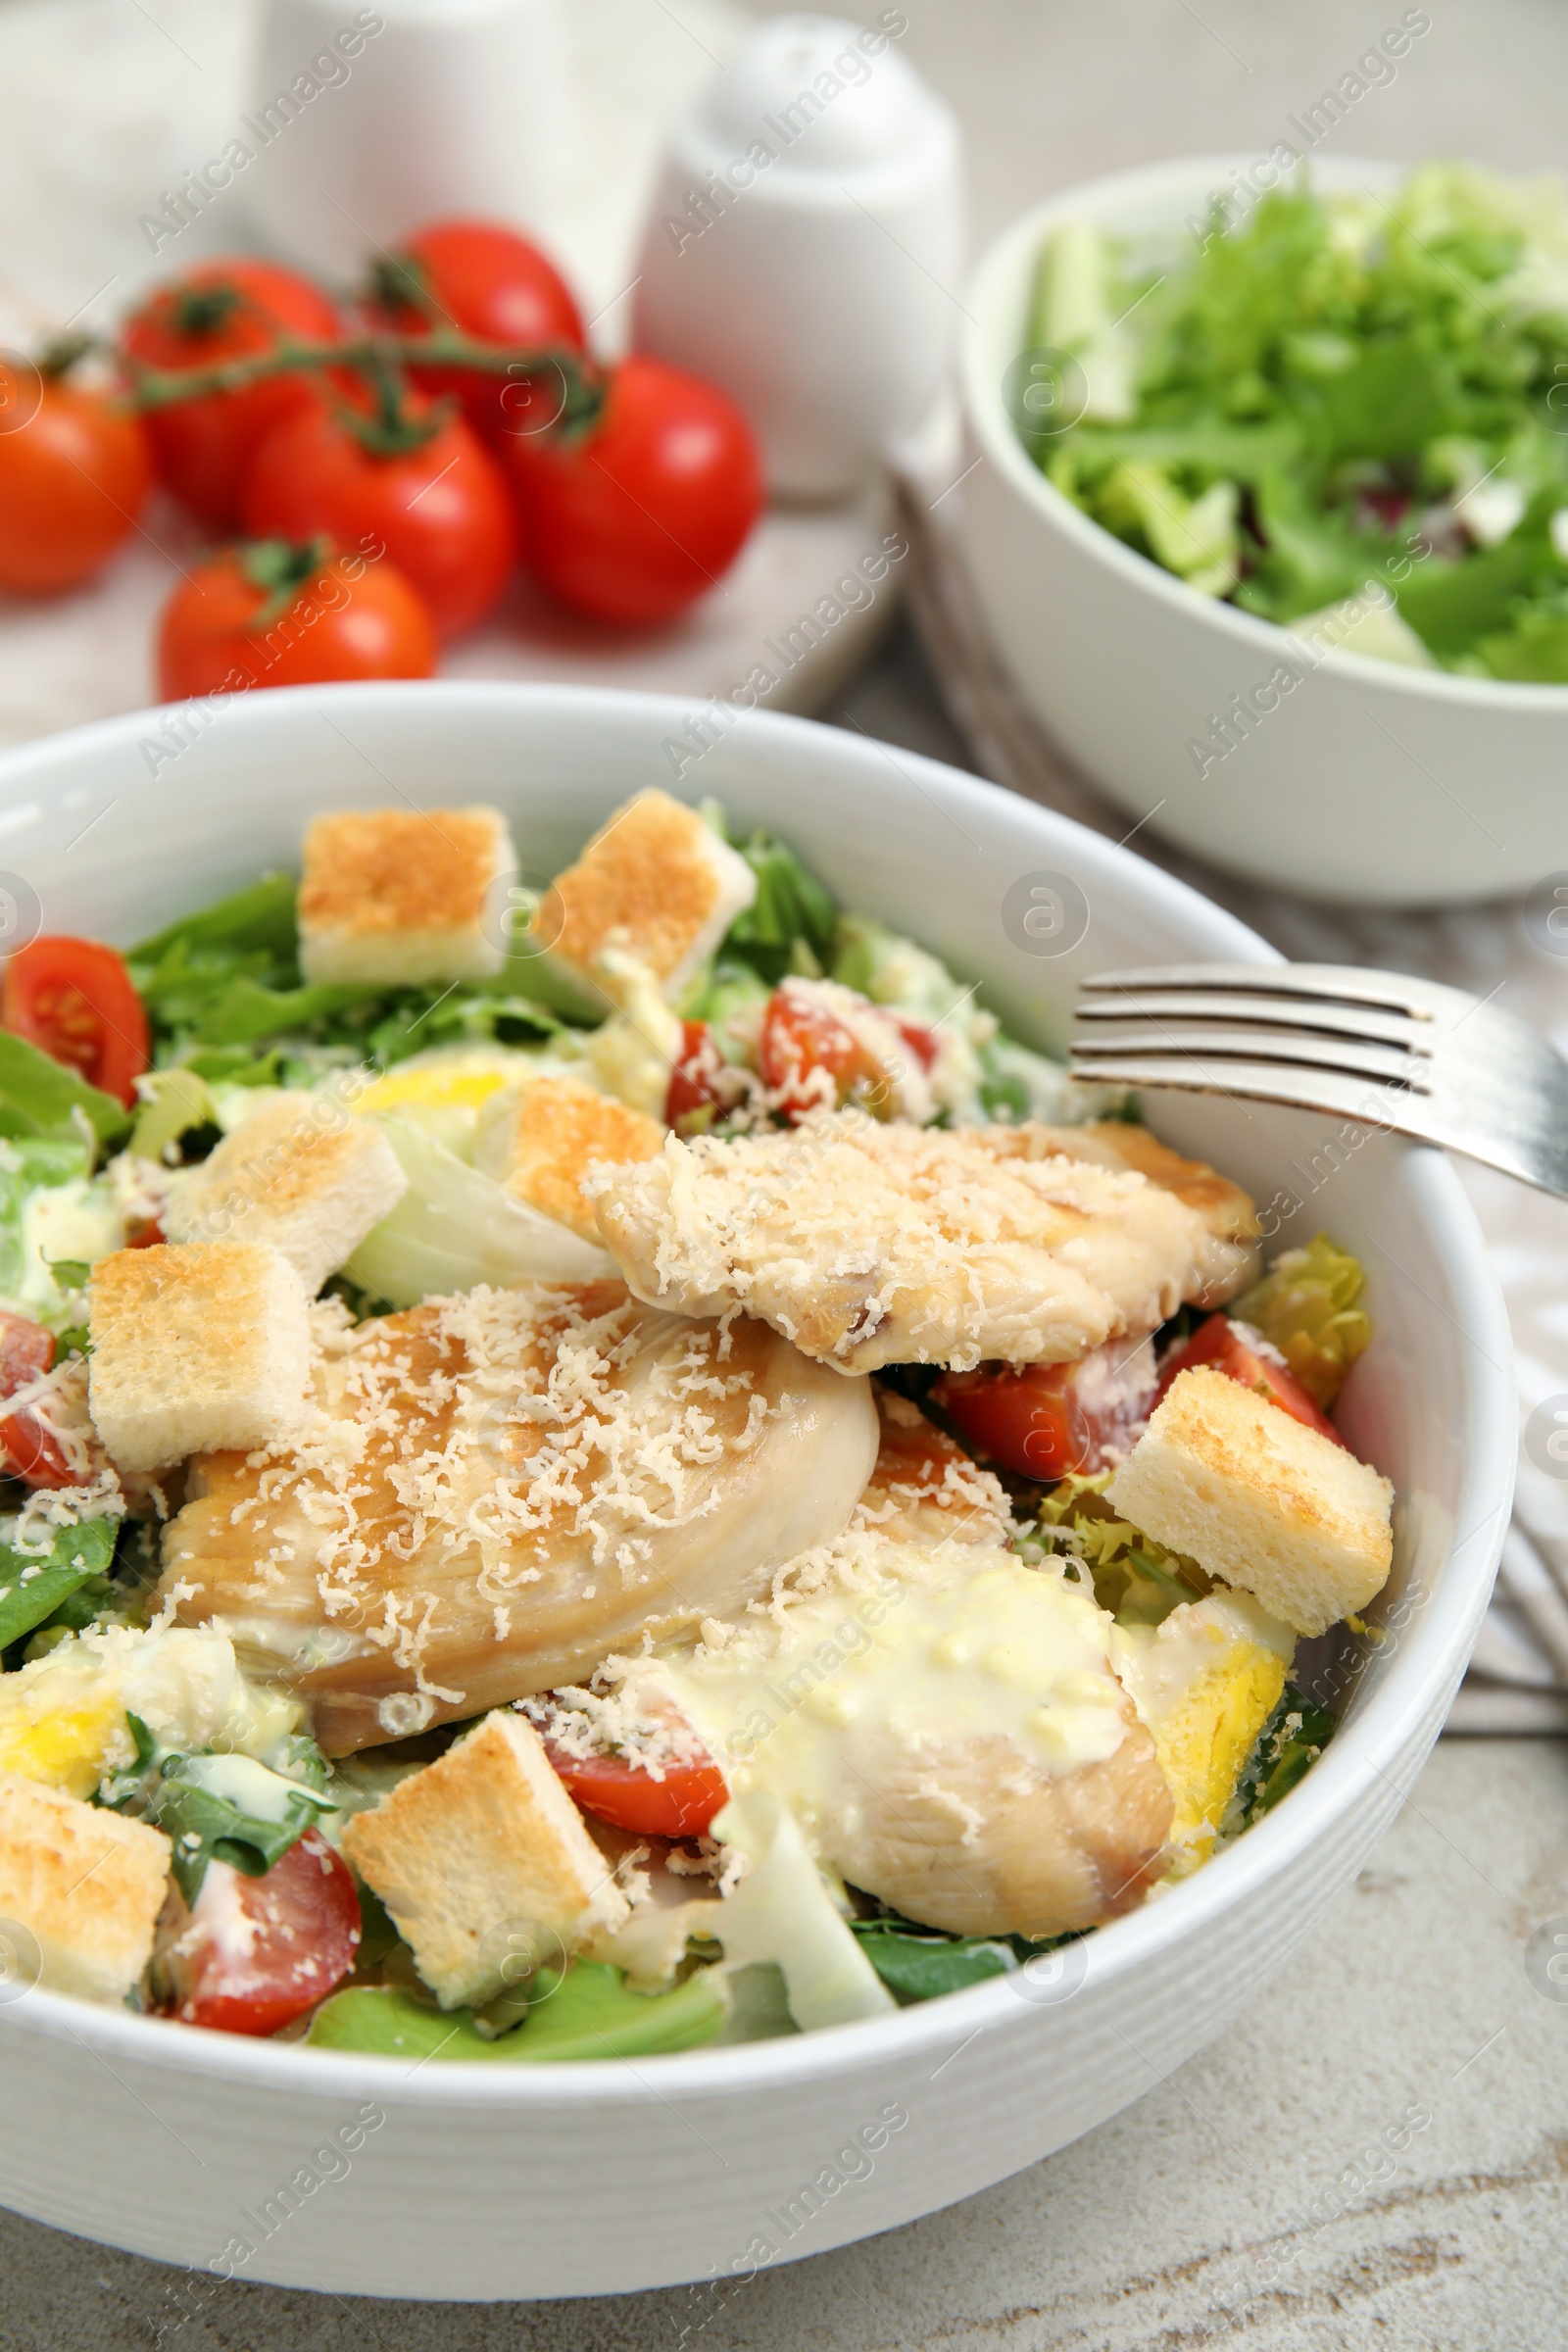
41	1097
585	2012
35	1586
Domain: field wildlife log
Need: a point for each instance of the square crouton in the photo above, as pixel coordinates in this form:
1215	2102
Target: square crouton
540	1138
1260	1500
203	1348
300	1173
85	1884
393	899
482	1860
655	884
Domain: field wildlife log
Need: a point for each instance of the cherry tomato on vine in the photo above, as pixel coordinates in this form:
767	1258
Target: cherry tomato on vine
228	310
299	1930
424	487
76	1002
614	1788
1223	1345
632	517
75	471
271	613
493	284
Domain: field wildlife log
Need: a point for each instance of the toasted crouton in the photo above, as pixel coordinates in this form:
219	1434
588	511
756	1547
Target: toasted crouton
1260	1500
540	1138
392	897
483	1861
300	1173
657	886
195	1349
85	1884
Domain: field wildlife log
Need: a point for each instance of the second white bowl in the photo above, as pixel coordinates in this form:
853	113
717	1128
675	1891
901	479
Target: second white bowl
1365	781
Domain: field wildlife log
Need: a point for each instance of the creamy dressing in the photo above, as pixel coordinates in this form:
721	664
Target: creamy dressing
939	1650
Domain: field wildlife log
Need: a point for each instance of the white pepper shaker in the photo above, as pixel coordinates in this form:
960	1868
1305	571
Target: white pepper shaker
421	109
804	245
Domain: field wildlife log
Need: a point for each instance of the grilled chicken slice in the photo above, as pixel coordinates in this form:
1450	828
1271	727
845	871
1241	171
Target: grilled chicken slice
500	1489
1229	1259
870	1245
948	1727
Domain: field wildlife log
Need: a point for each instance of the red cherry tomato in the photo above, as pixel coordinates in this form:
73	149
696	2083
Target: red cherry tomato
440	508
271	615
1047	1421
693	1095
75	1000
634	518
75	471
260	1952
27	1349
493	284
1226	1346
230	309
615	1789
28	1451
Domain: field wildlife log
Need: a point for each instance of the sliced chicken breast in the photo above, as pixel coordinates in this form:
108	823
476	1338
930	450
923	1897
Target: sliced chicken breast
868	1245
502	1488
946	1726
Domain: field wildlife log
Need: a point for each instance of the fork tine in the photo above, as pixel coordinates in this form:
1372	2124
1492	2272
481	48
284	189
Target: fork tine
1332	983
1166	1042
1297	1087
1271	1015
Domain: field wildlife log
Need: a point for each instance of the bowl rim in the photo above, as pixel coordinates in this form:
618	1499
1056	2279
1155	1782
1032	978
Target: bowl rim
991	296
1366	1750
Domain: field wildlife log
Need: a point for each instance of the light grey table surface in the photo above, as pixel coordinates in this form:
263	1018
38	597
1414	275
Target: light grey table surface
1378	2155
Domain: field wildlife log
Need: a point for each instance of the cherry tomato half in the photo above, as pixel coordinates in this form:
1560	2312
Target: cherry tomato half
227	310
693	1093
1047	1421
260	1952
1225	1346
76	1002
30	1450
812	1059
27	1450
634	518
269	613
75	473
27	1351
440	508
615	1789
493	284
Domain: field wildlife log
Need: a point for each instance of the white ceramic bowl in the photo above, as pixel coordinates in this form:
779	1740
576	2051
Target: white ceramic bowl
489	2182
1369	782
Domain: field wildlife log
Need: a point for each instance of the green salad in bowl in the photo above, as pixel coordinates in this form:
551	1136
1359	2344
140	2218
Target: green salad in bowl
1347	408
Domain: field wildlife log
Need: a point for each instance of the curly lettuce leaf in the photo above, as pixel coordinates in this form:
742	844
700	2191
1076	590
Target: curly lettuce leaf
1307	1307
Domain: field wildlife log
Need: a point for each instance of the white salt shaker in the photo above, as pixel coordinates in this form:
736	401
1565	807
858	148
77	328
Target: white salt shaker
805	246
421	109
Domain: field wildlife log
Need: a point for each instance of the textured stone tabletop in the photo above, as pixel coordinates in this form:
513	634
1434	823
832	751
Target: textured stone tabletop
1378	2155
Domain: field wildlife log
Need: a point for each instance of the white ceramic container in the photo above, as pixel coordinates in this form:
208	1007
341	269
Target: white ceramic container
1366	781
368	122
229	2155
803	246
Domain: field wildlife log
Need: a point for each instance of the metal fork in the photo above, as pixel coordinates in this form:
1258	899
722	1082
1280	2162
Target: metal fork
1378	1048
